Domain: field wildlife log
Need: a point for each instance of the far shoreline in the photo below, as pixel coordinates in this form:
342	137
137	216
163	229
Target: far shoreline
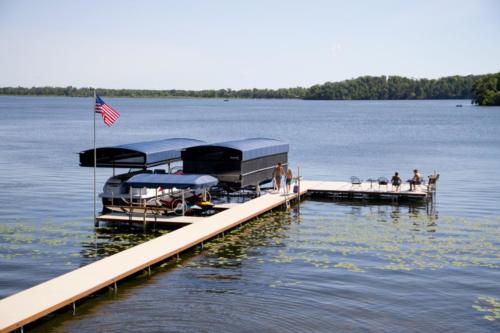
469	101
360	89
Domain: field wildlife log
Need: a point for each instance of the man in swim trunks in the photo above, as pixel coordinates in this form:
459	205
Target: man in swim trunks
277	174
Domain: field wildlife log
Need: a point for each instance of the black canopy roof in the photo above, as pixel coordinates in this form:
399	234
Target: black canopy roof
138	155
248	149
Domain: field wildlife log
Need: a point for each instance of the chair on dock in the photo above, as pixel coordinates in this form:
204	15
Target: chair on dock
431	184
355	181
382	181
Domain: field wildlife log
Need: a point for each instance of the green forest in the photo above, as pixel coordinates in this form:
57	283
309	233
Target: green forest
482	89
487	90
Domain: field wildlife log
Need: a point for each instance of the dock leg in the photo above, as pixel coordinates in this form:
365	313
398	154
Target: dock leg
22	329
74	308
202	245
149	270
178	256
116	287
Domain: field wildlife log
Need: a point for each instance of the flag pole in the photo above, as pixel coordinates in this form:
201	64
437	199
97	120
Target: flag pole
96	224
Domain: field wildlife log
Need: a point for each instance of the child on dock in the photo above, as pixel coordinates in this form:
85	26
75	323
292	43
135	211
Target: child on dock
289	177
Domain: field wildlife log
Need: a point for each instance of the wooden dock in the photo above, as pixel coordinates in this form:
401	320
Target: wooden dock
34	303
367	190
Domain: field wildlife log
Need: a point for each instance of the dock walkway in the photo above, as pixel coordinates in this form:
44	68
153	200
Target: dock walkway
31	304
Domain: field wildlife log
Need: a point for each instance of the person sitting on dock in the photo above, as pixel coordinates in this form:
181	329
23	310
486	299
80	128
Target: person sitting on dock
289	177
278	173
396	181
416	180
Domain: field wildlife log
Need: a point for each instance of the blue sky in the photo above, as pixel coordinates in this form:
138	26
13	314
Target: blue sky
242	44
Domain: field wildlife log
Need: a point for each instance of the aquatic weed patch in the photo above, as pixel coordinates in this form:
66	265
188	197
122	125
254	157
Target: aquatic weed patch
59	242
360	242
489	306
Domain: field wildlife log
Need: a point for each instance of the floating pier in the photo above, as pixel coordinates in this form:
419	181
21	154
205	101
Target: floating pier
368	190
34	303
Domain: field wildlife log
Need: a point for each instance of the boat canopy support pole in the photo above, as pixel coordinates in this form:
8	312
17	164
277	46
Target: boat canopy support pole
130	196
96	223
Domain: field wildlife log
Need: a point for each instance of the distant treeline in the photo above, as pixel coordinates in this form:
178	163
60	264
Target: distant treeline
487	90
361	88
395	87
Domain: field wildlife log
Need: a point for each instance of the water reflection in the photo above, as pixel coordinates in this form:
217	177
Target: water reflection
392	212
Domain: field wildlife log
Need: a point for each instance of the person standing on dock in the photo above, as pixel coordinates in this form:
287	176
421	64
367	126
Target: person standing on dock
278	173
289	177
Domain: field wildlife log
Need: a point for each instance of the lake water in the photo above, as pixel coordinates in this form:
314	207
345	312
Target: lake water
326	267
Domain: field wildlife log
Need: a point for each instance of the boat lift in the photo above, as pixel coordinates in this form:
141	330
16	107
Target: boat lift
175	185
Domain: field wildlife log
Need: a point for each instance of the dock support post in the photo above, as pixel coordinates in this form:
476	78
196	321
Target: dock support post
74	308
177	256
298	182
149	270
130	212
22	329
115	287
183	204
202	245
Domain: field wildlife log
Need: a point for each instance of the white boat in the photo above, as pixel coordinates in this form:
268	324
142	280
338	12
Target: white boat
139	158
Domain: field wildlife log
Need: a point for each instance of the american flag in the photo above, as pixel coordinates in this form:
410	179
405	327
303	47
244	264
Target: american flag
109	115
